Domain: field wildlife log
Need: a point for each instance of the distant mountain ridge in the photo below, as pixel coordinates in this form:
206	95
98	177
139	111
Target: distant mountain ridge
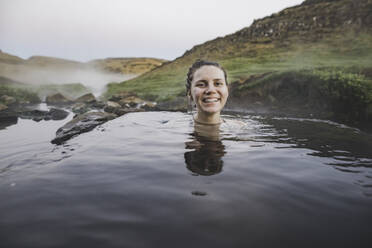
51	61
10	59
115	65
308	2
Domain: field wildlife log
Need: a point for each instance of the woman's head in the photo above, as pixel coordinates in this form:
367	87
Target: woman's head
207	88
197	64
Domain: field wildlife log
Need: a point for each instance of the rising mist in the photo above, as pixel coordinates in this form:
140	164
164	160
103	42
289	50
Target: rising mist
94	79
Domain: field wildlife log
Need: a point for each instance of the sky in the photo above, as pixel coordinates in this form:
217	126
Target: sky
83	30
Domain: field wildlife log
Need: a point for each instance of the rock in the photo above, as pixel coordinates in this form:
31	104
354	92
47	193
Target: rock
24	102
87	98
128	101
148	106
7	114
98	104
115	108
37	119
111	107
177	104
3	107
8	121
81	124
7	100
123	111
87	103
38	115
57	99
119	96
80	108
34	114
57	114
131	101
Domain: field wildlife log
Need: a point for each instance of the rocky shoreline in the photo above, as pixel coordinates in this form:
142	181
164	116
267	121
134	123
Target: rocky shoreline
299	95
89	112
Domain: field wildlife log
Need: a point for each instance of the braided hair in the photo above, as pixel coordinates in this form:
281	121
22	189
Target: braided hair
197	64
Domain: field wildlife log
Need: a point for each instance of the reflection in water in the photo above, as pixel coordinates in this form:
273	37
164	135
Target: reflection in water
208	150
347	146
349	150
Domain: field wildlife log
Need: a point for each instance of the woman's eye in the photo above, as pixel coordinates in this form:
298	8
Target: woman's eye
218	83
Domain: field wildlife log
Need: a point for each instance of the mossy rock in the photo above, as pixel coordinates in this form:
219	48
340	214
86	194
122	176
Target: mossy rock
87	98
57	99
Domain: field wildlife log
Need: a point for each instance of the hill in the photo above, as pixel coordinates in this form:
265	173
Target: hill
317	33
135	66
9	59
45	61
43	74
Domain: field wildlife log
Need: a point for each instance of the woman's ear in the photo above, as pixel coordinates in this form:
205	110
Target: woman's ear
189	96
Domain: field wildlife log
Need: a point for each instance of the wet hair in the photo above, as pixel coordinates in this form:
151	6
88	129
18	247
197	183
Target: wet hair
197	64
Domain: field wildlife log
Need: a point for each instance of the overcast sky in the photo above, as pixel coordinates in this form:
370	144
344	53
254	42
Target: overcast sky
89	29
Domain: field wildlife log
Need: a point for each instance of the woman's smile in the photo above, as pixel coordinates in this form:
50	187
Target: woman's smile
211	100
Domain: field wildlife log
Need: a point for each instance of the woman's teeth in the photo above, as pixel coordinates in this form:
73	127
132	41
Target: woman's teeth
210	100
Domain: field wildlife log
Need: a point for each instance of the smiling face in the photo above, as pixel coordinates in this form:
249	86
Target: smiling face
209	90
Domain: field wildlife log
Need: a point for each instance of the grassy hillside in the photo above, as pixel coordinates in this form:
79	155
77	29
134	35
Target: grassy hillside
135	66
312	35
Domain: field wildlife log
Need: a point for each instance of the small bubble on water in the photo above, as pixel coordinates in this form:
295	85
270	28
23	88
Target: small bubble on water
12	184
199	193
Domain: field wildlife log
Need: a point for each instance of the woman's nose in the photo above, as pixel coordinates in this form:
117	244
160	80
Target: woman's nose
210	88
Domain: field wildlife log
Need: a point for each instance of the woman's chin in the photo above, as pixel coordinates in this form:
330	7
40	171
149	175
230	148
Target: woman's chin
210	109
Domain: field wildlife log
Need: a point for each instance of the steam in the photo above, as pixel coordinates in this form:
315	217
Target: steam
92	78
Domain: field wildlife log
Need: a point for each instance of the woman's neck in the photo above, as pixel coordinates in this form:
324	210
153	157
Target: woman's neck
211	119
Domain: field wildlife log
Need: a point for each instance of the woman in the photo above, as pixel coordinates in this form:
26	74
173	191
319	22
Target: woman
206	87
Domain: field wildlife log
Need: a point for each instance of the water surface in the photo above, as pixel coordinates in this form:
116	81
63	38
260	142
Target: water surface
150	180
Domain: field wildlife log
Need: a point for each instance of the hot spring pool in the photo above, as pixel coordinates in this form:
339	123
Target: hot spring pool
148	180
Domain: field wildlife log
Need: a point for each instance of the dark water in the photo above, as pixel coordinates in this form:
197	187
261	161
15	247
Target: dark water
149	180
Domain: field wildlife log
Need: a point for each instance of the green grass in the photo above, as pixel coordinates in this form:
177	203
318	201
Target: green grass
33	93
344	93
72	90
20	95
337	50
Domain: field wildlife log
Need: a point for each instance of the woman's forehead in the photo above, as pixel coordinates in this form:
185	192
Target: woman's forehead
208	72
